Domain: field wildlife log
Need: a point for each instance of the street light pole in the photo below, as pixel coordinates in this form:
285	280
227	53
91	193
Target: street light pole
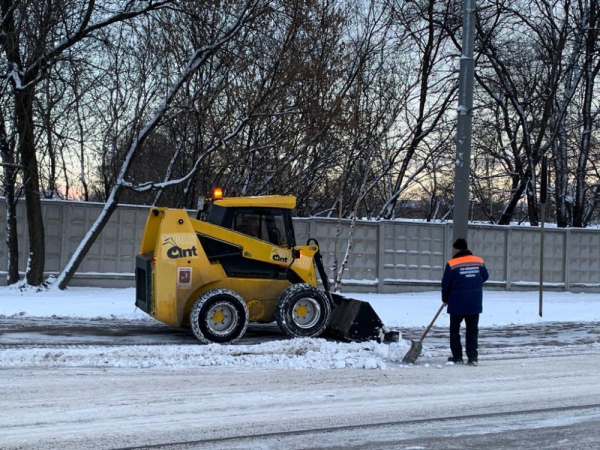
543	197
464	124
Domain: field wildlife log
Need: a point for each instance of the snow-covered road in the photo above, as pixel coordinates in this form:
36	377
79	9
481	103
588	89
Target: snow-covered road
113	384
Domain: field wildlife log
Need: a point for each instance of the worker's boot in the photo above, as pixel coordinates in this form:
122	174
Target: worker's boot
454	360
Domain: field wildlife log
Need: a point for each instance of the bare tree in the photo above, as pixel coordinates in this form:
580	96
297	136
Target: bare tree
423	36
196	60
34	37
587	186
531	67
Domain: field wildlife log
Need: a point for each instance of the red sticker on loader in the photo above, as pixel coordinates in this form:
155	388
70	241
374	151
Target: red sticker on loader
184	277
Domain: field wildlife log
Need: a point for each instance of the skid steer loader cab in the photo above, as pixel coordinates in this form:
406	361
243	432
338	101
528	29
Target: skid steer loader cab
238	262
272	225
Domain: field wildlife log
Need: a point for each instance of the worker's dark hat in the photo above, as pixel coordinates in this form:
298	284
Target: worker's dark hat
460	244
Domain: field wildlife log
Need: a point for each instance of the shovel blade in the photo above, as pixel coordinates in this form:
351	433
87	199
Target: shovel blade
414	352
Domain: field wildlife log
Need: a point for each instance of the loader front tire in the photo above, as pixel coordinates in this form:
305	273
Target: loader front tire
303	311
219	316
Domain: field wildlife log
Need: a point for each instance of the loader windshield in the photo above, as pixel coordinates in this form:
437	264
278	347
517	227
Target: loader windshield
273	225
268	225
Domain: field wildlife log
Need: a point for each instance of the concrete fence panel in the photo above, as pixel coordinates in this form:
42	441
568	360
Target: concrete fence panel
491	244
386	256
582	265
412	251
524	256
110	261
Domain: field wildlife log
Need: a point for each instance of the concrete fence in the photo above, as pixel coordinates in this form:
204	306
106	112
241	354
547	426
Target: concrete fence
386	256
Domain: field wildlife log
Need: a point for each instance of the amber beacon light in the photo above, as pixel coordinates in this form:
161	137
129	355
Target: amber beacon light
217	194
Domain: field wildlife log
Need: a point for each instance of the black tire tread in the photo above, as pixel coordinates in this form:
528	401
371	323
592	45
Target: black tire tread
287	299
207	298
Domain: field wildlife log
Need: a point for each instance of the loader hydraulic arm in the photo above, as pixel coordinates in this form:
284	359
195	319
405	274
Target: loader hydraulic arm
222	244
321	269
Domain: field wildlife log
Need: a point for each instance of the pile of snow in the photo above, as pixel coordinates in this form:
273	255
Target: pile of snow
286	354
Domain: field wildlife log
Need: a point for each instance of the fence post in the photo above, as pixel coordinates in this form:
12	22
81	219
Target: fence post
380	256
447	243
64	235
566	260
507	265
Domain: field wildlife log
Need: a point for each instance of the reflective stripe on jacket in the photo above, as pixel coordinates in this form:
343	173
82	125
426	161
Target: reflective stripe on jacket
462	284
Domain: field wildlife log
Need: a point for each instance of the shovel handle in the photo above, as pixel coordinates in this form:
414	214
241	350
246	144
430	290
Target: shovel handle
432	322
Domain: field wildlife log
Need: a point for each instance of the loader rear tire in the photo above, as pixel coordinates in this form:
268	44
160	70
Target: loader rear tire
303	311
219	316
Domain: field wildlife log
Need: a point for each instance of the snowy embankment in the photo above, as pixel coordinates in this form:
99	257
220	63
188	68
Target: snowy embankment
287	354
397	311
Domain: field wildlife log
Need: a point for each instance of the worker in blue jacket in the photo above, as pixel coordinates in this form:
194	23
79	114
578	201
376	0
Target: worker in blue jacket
462	292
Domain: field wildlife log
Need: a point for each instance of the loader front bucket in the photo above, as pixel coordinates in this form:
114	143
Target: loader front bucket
356	320
351	319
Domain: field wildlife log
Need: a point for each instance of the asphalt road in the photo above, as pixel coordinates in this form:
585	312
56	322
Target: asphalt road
47	331
523	430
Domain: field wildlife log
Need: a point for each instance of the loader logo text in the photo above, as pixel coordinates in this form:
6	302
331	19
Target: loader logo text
178	246
279	258
178	252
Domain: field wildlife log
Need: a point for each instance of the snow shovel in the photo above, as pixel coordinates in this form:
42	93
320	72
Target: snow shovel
416	346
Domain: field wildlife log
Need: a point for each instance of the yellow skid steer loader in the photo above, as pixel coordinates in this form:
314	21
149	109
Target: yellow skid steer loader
238	262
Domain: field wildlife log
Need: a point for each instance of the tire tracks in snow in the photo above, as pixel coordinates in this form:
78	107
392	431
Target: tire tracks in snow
246	441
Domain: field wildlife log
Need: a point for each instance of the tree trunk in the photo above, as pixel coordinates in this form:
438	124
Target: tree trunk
561	177
589	113
532	203
10	175
512	204
12	241
35	224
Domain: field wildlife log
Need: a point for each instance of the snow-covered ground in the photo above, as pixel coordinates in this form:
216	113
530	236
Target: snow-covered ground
400	311
396	310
